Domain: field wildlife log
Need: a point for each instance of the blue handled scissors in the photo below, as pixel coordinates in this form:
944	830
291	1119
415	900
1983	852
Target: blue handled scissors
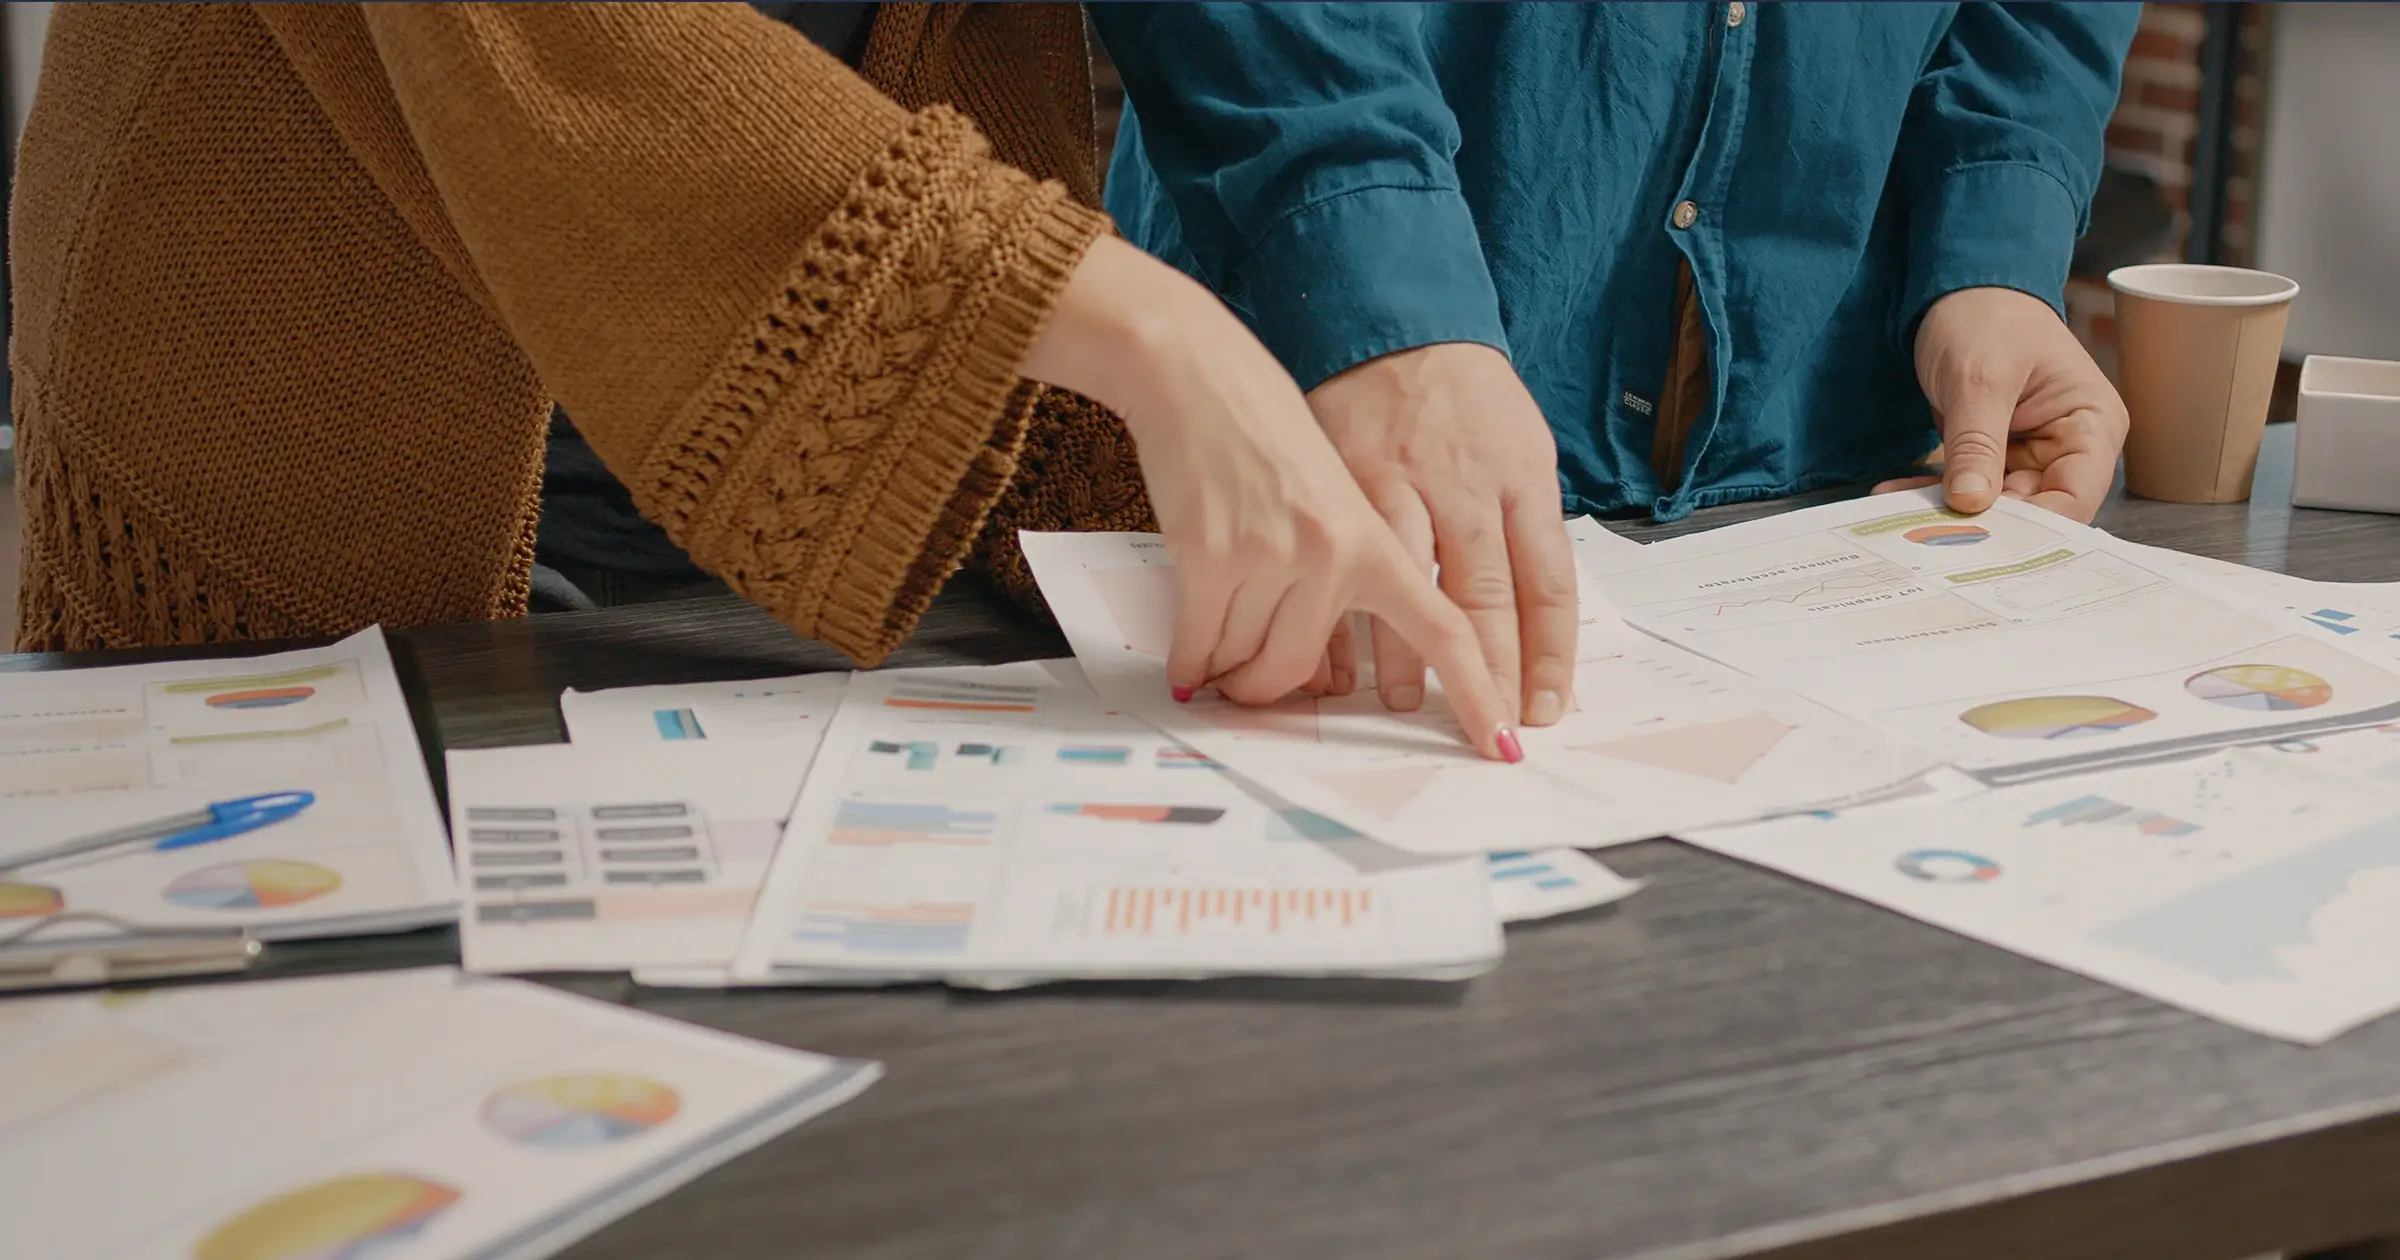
220	821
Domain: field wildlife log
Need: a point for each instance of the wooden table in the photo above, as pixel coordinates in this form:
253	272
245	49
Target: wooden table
1729	1064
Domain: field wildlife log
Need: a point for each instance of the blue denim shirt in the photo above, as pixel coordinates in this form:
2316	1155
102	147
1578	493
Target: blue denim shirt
1361	179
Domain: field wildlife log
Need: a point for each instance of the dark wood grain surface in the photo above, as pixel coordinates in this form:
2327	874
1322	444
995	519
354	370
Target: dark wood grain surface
1729	1064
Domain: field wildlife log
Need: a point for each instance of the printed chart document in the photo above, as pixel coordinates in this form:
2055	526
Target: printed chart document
1524	885
1000	821
423	1115
610	856
92	750
2248	887
2016	644
1662	738
798	707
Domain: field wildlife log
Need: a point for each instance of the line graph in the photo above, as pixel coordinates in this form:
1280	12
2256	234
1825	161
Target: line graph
1859	583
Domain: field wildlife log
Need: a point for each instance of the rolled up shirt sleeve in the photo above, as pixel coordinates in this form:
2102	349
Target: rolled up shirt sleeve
2003	146
1308	154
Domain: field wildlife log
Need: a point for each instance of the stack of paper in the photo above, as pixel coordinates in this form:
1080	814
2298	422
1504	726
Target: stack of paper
1663	738
2092	688
422	1113
1785	690
85	751
1065	802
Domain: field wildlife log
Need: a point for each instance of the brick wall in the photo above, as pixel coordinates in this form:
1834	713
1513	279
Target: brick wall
2153	133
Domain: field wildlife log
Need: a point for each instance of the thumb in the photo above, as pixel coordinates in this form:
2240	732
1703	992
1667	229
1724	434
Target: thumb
1975	417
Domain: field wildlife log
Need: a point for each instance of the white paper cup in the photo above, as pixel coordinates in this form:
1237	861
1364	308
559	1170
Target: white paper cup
2197	351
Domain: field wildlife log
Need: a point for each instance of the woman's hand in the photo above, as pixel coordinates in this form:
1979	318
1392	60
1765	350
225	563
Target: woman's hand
1274	542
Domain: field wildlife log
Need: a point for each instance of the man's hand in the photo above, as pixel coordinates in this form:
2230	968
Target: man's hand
2023	410
1453	451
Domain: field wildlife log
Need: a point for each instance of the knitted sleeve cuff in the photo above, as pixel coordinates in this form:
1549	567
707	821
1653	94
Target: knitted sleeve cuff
836	467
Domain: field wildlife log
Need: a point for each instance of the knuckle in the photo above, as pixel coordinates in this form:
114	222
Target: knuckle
1483	590
1260	685
1973	444
1979	374
1552	585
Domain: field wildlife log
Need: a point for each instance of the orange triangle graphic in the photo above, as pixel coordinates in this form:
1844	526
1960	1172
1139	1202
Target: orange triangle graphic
1723	751
1383	792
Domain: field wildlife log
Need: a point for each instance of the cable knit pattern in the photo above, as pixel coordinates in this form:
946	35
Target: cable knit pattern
855	433
297	284
1078	471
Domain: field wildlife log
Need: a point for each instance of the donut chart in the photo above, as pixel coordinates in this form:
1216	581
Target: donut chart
570	1112
1947	866
346	1218
29	901
2055	717
1947	535
267	884
2260	688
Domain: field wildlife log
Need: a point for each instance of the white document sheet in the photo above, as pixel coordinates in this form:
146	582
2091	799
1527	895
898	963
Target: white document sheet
798	707
1000	822
610	856
2017	644
1662	738
2361	616
84	751
2246	886
417	1115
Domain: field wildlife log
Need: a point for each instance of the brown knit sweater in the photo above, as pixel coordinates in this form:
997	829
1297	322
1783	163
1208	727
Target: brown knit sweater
296	286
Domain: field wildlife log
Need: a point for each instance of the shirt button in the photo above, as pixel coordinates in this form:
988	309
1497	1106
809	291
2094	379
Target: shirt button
1686	214
1736	12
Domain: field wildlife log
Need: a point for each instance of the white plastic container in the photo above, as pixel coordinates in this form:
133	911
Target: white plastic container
2347	452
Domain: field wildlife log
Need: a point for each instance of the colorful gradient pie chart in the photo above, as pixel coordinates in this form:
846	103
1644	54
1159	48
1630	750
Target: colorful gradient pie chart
579	1110
2055	717
358	1217
29	901
2260	688
262	885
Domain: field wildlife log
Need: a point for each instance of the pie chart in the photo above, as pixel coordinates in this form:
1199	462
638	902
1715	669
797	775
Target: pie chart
2055	717
2260	688
1947	535
29	901
347	1218
1947	866
262	885
260	698
583	1109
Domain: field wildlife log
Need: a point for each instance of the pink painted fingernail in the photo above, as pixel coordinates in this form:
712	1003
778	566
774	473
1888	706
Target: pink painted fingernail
1183	695
1511	751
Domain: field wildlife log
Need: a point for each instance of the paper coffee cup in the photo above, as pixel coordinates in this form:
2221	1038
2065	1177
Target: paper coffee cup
2197	348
